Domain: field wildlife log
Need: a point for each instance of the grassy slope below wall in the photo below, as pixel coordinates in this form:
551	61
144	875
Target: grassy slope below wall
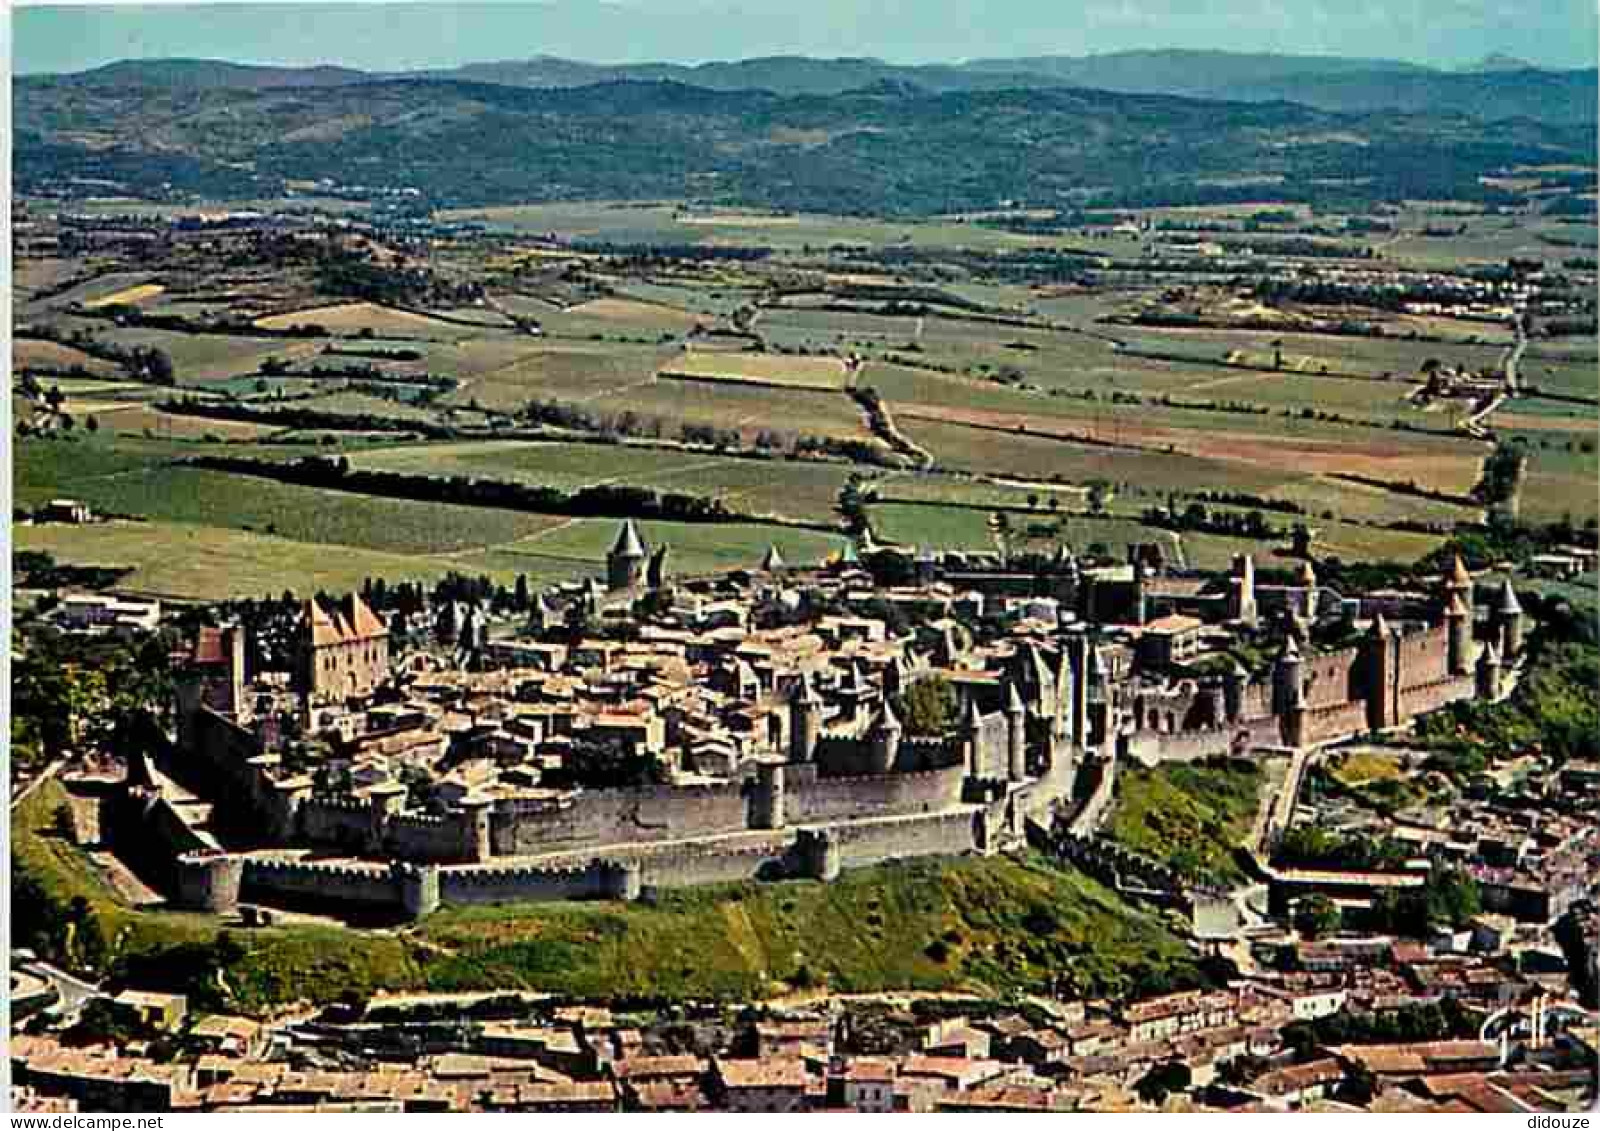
103	936
997	923
1190	815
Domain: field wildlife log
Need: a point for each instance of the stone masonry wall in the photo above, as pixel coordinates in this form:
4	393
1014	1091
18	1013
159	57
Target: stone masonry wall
1329	678
299	882
809	797
618	817
872	842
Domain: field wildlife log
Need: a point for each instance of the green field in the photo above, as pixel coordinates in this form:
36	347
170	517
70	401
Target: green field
210	563
580	545
624	222
1191	816
795	490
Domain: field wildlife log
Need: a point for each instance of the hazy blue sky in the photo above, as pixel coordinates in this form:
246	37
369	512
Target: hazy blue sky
399	36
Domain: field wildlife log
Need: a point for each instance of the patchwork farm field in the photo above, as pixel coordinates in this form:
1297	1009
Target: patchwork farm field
32	353
183	562
1017	388
758	369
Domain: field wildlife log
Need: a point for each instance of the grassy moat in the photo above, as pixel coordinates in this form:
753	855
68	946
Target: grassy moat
990	925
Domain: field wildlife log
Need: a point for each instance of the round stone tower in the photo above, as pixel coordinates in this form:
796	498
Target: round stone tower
1488	674
768	810
820	857
1016	735
1377	660
1288	676
1233	683
621	880
209	882
805	722
1458	635
1242	590
419	888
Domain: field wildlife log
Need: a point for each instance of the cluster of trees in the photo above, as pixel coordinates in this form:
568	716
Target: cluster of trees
1308	846
1245	499
601	500
1019	265
1502	474
305	418
604	765
35	569
351	274
1411	1024
927	708
1450	898
1199	518
142	363
1553	709
88	693
232	323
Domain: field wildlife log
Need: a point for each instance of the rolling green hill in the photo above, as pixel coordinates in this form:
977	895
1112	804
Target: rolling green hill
886	150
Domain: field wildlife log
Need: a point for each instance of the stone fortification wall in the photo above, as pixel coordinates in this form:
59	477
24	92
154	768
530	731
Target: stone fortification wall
1150	749
924	753
864	843
208	882
1256	700
151	833
338	822
625	816
685	866
1332	679
220	751
302	883
1100	778
476	884
1264	731
165	824
809	797
1424	657
1336	721
1419	698
449	838
1037	798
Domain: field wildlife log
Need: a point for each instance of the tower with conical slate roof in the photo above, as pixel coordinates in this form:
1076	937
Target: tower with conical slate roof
625	564
885	740
1016	735
1506	623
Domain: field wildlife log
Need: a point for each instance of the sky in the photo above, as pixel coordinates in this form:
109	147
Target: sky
401	36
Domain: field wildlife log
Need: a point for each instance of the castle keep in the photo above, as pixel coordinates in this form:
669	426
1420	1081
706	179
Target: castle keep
475	769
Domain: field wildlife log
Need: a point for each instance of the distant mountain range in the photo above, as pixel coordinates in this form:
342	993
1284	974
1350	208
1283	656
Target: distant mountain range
1498	87
891	147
